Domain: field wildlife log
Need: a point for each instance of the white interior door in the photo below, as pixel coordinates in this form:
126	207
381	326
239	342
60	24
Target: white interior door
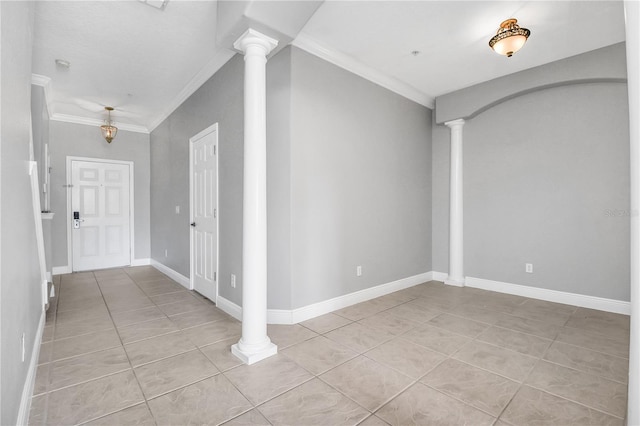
204	207
100	215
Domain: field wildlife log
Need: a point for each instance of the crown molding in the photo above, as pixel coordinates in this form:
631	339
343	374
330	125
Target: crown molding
350	64
67	118
221	58
44	82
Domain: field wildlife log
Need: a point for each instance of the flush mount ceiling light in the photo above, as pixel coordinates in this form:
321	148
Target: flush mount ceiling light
108	130
510	38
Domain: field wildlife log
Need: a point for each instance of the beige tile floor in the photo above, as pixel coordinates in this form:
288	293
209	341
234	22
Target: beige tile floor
131	346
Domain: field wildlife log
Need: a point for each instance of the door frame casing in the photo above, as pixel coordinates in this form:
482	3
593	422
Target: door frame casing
192	140
69	188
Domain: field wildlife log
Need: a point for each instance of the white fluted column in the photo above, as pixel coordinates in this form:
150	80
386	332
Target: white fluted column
632	24
254	345
456	241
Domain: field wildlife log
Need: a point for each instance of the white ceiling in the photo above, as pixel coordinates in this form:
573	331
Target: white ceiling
124	54
145	61
453	38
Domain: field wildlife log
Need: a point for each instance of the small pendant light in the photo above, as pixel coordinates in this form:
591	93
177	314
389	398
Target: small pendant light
108	130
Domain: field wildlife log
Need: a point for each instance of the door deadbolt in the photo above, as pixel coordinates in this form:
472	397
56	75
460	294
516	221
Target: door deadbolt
76	220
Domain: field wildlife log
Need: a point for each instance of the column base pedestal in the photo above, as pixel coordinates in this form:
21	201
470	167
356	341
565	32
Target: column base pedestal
457	282
253	356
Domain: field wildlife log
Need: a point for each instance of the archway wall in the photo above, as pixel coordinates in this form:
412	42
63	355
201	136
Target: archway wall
546	179
603	65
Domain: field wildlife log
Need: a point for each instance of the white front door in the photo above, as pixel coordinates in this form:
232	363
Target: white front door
204	208
100	215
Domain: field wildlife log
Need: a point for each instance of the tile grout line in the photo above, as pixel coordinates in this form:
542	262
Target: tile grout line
49	391
450	357
130	364
365	352
146	400
46	393
574	369
565	398
197	348
575	402
527	377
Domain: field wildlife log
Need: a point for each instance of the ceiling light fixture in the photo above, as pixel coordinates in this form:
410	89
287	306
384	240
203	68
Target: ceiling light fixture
510	38
108	130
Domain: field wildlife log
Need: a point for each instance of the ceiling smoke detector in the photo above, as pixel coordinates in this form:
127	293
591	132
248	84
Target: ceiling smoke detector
62	63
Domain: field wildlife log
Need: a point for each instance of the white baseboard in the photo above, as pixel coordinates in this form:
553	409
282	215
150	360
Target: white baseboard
229	307
584	301
60	270
283	316
45	293
184	281
29	383
439	276
326	306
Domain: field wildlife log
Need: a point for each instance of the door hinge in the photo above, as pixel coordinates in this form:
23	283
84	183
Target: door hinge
215	213
215	276
214	150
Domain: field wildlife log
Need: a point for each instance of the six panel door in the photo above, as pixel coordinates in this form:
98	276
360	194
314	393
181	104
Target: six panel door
100	196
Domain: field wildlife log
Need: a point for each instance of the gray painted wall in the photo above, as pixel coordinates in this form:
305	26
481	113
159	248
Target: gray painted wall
279	180
440	197
358	197
20	289
40	120
79	140
40	126
549	187
360	183
219	100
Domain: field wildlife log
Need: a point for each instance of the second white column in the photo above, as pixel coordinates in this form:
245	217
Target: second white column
254	345
456	240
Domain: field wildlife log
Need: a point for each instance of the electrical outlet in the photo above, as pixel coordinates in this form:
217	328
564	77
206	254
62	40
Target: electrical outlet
177	209
166	253
233	281
528	267
23	348
358	270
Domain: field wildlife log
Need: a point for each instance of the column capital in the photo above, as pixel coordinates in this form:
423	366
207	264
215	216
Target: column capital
252	37
454	123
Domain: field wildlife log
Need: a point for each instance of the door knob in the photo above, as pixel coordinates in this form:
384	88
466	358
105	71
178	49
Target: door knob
193	224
